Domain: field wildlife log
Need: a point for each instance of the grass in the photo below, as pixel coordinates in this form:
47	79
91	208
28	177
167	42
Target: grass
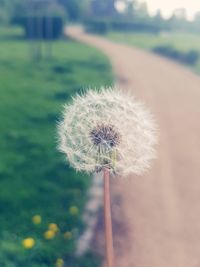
181	41
34	178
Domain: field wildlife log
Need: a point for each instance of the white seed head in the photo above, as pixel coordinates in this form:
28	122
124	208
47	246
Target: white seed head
107	129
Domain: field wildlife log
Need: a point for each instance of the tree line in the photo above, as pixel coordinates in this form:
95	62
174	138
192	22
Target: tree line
115	10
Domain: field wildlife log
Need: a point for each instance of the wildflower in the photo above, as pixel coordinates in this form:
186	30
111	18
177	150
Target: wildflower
67	235
59	262
49	234
73	210
53	227
107	129
28	243
36	219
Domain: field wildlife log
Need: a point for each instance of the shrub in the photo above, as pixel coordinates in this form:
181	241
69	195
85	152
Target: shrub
191	57
134	26
97	26
101	26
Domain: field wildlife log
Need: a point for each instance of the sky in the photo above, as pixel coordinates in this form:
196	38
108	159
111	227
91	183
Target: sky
167	6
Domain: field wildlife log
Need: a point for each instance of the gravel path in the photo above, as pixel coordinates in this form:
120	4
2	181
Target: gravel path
160	212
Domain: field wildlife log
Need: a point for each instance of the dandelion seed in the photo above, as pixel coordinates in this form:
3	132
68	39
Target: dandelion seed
105	135
107	129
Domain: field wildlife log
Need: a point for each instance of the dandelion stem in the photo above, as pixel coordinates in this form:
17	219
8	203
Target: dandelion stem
108	220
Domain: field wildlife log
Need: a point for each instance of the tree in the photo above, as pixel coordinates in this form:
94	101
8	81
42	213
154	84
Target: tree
178	20
103	7
180	14
130	8
141	10
135	9
196	22
10	8
75	8
197	17
158	16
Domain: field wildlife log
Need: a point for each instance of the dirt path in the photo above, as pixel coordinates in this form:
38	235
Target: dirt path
161	210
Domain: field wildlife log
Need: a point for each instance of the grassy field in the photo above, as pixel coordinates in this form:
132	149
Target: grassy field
34	178
180	41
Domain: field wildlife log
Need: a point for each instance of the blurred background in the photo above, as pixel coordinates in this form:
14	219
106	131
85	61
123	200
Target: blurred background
42	199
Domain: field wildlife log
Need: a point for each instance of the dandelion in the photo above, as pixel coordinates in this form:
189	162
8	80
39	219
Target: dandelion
49	234
36	219
59	262
107	131
53	227
73	210
28	243
67	235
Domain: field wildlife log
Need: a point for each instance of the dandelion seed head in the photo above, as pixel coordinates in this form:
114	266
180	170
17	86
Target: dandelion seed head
107	129
105	135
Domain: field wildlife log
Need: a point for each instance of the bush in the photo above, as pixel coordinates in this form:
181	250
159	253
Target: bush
102	26
134	26
97	26
191	57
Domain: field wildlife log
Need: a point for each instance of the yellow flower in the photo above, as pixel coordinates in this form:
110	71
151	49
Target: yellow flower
59	262
67	235
49	234
73	210
28	243
53	227
36	219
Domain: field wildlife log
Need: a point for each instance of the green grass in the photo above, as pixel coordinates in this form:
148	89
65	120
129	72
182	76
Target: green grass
34	178
181	41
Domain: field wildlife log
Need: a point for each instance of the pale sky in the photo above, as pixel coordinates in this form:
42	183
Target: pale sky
167	6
